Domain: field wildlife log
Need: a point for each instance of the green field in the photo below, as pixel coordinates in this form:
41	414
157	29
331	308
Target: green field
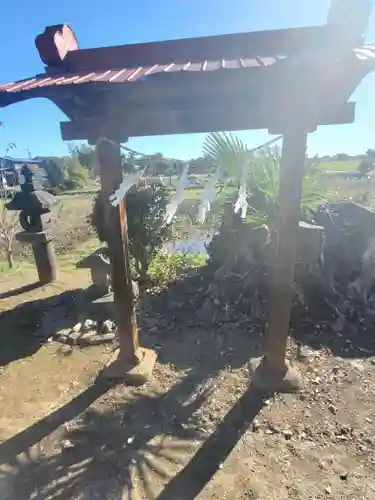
339	166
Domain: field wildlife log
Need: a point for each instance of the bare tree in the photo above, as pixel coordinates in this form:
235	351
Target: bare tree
8	219
8	225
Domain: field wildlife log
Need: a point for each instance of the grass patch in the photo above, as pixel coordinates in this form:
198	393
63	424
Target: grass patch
192	194
65	261
339	166
69	259
170	266
20	267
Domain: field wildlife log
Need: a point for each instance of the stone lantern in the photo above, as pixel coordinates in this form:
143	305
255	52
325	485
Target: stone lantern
36	221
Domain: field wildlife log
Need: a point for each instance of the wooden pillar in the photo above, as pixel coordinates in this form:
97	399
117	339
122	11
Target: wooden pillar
130	355
273	372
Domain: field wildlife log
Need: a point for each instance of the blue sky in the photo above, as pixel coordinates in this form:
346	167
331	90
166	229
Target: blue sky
34	125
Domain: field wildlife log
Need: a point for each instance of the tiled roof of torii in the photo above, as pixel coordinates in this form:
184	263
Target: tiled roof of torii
195	85
66	64
140	73
122	75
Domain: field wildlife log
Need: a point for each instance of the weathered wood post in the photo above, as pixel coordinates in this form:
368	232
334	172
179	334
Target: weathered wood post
132	363
272	372
347	21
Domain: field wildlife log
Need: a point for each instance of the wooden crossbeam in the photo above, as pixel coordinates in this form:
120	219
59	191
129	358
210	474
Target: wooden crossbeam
160	122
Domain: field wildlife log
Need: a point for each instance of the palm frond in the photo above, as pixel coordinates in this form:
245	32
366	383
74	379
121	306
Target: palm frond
226	151
263	189
263	168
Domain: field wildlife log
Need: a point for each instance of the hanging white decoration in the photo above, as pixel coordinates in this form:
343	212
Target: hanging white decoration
207	196
177	199
241	204
129	181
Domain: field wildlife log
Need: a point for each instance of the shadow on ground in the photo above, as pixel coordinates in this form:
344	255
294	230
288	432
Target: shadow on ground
140	443
133	443
128	451
170	324
19	291
178	310
163	318
351	337
167	314
23	329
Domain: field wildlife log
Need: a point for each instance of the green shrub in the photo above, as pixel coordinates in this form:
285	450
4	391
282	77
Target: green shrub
147	231
241	253
78	175
169	266
55	169
365	167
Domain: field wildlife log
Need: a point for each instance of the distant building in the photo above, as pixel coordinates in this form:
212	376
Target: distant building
10	167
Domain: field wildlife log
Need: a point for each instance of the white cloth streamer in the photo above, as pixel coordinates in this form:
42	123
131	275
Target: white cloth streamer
207	197
126	184
180	187
241	202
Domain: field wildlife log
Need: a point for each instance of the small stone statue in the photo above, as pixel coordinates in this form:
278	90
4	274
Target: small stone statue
100	267
99	264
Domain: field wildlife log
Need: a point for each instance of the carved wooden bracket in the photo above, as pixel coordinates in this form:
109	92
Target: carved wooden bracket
54	44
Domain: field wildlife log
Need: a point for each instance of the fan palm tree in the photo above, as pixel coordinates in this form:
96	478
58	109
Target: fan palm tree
228	152
260	169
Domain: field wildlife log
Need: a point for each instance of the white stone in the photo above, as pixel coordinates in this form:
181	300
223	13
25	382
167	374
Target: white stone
64	332
108	326
88	325
77	327
67	444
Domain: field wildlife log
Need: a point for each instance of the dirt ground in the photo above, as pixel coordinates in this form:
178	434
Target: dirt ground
196	430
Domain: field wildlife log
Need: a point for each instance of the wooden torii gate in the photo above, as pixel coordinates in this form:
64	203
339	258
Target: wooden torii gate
286	81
